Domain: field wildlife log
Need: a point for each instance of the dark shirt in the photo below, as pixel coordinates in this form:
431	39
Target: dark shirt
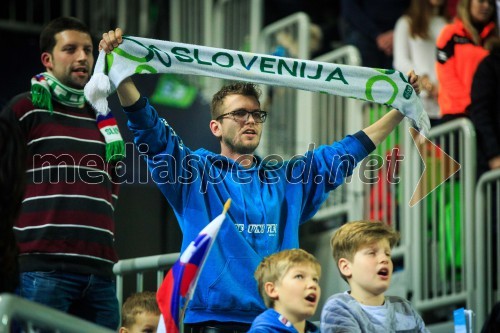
484	109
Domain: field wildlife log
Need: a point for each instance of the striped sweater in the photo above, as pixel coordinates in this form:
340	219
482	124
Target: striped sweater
66	222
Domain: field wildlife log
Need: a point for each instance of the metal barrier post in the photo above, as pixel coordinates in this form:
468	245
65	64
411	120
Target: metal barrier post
36	315
119	288
138	266
484	203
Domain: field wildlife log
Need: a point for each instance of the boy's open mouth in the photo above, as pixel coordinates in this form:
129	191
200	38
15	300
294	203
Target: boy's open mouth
311	298
383	272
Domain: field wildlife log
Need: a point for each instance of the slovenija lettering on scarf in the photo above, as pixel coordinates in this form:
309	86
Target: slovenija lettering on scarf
138	55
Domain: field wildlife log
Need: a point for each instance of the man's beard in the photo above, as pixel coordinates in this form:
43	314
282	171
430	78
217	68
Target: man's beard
68	81
240	148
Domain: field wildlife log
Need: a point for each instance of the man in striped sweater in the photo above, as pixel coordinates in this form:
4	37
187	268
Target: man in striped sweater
65	231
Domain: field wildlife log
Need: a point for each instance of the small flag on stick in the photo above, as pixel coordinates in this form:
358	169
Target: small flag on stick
181	279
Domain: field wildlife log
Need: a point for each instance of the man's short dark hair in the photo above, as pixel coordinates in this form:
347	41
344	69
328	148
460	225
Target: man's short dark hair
236	88
49	32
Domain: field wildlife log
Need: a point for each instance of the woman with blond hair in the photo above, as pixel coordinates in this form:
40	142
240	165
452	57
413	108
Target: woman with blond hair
461	47
415	38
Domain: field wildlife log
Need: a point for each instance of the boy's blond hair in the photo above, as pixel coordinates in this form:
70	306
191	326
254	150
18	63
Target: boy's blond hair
137	303
275	266
352	236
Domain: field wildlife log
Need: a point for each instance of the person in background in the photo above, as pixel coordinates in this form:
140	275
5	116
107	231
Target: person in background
362	252
415	38
484	111
288	282
140	313
369	26
65	230
12	185
460	50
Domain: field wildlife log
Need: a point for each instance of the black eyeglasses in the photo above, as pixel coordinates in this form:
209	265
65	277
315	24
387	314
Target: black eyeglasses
243	115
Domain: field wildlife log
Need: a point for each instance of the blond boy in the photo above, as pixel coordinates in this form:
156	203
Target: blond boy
362	251
288	283
140	313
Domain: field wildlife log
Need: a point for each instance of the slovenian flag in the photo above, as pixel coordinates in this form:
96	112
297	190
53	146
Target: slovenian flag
181	279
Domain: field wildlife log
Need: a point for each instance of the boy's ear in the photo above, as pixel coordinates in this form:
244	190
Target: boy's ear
345	267
271	290
123	330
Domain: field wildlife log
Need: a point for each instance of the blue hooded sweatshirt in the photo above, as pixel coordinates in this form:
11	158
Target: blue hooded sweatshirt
270	321
269	202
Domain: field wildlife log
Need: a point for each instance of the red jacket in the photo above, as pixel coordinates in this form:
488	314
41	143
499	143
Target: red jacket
457	60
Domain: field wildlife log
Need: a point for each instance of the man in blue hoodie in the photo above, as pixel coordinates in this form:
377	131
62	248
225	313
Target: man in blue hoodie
269	200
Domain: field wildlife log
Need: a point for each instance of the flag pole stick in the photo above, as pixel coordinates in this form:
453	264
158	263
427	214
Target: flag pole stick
181	318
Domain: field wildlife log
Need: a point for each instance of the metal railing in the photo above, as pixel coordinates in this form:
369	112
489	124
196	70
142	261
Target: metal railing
19	313
191	21
487	228
237	24
138	266
230	24
443	222
30	315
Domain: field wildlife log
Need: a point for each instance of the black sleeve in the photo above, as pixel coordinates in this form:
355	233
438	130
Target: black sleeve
482	107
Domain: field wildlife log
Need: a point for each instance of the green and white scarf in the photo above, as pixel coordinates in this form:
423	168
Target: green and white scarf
149	56
45	86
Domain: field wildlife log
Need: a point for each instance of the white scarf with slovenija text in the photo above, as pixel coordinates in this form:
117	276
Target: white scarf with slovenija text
150	56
